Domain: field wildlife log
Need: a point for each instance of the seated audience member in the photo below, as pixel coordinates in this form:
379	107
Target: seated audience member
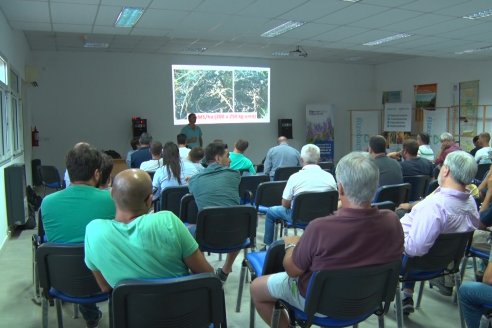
143	152
486	208
156	162
195	157
425	151
449	209
411	164
134	145
447	146
374	237
67	212
484	154
138	245
389	169
217	185
171	174
183	150
238	160
473	295
311	178
477	145
106	168
281	155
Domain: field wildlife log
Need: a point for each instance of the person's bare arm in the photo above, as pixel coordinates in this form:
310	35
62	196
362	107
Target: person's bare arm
487	276
101	281
197	263
289	265
286	203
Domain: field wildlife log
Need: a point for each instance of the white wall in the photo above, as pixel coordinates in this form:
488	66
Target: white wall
14	48
92	97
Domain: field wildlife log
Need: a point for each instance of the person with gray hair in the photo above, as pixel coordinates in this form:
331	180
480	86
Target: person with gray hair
354	236
311	178
449	209
143	153
447	146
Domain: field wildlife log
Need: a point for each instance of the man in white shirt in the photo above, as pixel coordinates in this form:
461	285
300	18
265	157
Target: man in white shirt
484	154
156	161
183	150
311	178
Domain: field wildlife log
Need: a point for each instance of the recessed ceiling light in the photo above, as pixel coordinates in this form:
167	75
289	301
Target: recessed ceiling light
90	44
387	39
479	14
472	51
128	16
281	29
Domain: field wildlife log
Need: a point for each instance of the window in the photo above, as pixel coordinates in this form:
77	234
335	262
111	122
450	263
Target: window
16	114
3	109
3	71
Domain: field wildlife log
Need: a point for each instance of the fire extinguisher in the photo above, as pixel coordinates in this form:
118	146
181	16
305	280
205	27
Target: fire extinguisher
35	137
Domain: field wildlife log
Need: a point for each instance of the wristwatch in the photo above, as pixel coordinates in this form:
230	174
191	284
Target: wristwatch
292	245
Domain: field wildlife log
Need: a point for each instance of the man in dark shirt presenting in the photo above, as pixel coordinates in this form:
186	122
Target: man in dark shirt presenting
358	236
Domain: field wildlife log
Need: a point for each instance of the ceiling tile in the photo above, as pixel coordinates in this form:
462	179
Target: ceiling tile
352	13
387	18
32	11
419	22
74	28
107	15
314	9
175	5
466	8
63	13
149	31
30	26
274	9
111	30
126	3
340	33
165	19
431	6
223	6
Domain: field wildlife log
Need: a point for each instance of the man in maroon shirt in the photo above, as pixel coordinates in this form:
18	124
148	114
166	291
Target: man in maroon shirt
448	145
354	236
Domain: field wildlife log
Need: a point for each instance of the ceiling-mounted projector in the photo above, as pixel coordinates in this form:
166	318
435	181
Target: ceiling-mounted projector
299	52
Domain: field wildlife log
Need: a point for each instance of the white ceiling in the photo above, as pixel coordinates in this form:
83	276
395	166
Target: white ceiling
334	31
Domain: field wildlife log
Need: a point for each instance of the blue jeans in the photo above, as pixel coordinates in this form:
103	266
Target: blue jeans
90	312
473	295
275	213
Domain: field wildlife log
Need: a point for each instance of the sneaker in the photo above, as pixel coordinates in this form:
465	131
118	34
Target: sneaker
443	289
222	275
94	323
407	305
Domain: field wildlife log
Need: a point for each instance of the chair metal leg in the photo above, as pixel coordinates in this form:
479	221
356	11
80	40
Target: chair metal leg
220	257
355	326
75	311
44	312
463	266
457	283
381	320
421	292
276	317
399	308
252	313
241	286
275	231
59	316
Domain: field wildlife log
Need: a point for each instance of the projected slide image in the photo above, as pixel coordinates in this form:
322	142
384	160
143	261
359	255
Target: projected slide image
219	94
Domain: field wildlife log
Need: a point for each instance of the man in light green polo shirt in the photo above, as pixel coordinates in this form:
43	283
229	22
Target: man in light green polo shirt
238	160
193	132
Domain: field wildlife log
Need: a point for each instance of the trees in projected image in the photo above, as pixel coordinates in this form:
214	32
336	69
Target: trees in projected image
220	91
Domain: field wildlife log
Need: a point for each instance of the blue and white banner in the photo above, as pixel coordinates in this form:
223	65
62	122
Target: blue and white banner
320	129
364	124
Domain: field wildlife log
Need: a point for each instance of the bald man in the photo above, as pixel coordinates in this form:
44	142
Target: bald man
281	155
138	245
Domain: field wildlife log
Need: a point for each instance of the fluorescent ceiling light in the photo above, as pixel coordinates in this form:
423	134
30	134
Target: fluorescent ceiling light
89	44
197	50
351	0
387	39
281	29
128	17
472	51
479	14
280	53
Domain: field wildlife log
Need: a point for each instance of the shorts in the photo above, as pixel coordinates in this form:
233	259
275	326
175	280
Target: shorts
281	286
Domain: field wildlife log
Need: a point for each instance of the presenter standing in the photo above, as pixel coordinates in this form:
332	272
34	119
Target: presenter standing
193	132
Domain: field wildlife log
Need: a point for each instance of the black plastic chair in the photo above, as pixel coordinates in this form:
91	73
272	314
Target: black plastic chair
443	258
284	173
386	205
191	301
63	276
50	177
170	199
188	210
309	206
345	296
397	194
248	186
226	229
269	194
37	240
482	171
431	187
419	184
475	250
327	166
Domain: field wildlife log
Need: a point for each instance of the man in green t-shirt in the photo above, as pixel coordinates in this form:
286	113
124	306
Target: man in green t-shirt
66	213
193	132
238	160
138	245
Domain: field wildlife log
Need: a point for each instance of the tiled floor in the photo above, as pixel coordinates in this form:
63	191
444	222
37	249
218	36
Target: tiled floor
18	310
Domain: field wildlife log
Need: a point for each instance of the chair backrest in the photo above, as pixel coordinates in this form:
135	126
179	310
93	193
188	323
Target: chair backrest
312	205
481	171
249	184
274	258
191	301
269	193
398	193
49	176
284	173
431	187
386	205
118	166
448	248
188	210
418	184
327	166
351	293
170	199
226	228
62	266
